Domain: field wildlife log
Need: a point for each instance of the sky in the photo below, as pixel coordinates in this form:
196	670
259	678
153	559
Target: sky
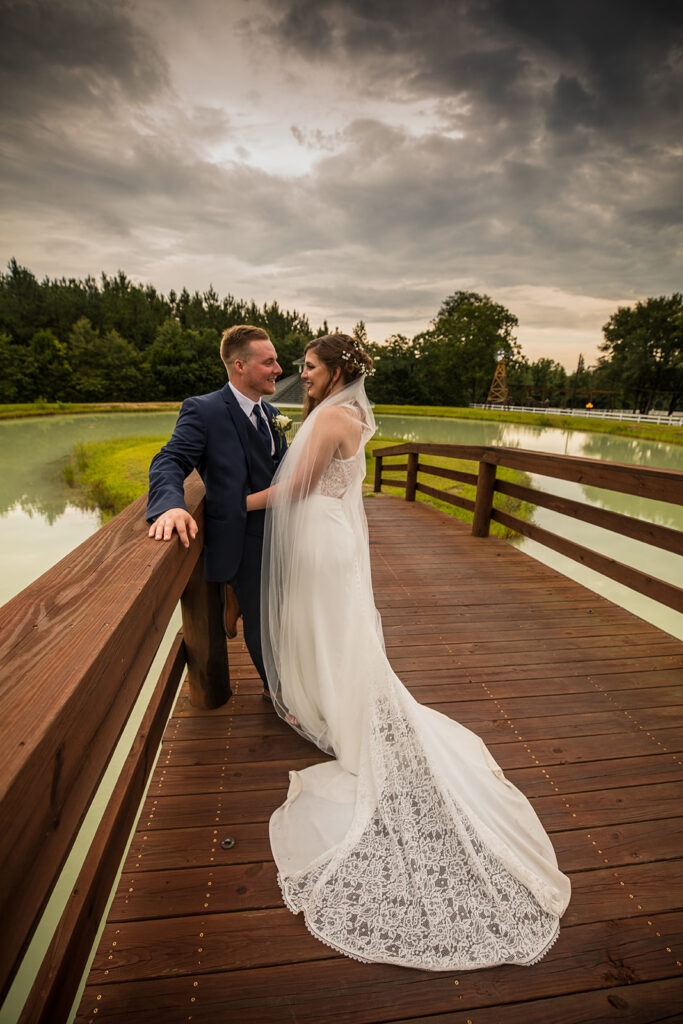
356	159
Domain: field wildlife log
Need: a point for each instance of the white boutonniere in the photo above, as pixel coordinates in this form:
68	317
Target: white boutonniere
281	423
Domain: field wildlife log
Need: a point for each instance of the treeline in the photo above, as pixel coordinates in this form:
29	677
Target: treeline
113	340
453	363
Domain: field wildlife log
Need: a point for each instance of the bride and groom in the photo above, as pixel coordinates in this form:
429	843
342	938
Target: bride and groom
410	846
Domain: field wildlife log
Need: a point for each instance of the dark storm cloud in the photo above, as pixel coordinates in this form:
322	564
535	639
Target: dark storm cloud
614	64
569	165
73	52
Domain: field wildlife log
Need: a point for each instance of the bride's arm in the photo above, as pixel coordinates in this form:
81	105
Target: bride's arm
260	499
331	427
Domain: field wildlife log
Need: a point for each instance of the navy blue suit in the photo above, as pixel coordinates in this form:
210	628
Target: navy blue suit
214	436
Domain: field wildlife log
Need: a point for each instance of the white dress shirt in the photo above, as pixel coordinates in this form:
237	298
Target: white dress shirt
247	407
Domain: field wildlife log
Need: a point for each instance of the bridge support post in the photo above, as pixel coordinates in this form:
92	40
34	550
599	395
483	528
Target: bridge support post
378	474
205	642
411	476
486	483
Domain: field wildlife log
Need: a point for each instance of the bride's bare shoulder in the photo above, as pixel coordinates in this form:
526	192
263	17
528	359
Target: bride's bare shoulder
338	415
341	425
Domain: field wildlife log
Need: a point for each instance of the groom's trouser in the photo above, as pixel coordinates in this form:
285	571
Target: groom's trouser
247	586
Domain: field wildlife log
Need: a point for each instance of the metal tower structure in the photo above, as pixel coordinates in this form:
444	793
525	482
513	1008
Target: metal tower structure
498	391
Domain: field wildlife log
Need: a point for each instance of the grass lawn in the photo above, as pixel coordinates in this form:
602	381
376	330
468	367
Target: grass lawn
26	410
108	475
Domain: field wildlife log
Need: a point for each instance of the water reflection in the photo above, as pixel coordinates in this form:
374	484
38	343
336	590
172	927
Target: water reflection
32	542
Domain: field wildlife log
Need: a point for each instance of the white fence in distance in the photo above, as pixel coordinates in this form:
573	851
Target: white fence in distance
675	420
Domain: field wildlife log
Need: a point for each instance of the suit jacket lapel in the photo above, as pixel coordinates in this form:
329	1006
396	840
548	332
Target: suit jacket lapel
240	421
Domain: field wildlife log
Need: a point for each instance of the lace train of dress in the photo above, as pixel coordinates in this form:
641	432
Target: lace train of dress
410	847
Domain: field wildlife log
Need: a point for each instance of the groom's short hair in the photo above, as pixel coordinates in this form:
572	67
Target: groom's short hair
235	342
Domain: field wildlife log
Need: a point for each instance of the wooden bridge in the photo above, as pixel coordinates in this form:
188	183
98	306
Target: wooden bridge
578	700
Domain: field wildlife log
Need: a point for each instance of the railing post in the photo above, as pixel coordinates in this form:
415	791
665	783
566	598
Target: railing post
205	642
486	482
411	476
378	474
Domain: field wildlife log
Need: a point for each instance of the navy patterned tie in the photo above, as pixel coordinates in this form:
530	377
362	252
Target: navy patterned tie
262	426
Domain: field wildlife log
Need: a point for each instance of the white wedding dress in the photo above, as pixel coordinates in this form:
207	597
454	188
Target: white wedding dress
410	847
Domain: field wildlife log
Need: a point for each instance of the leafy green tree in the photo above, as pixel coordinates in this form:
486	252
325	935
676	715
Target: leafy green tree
106	368
643	351
520	381
289	348
548	381
88	381
458	353
15	370
50	367
184	362
398	378
360	333
20	303
134	312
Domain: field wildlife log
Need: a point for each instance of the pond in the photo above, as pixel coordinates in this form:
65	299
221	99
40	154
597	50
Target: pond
40	521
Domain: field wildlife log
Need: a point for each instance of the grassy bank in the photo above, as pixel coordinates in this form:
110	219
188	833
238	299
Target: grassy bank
108	475
27	410
622	428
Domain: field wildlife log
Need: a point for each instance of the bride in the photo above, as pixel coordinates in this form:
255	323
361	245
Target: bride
409	847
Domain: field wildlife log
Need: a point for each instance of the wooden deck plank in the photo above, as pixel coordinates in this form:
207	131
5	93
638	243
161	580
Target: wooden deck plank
211	749
592	809
233	888
341	991
579	702
626	1004
631	843
492	729
573	778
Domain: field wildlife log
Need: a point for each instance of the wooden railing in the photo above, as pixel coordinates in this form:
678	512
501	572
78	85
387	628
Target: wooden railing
75	649
660	484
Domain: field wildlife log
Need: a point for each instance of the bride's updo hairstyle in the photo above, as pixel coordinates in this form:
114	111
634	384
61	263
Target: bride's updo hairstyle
342	352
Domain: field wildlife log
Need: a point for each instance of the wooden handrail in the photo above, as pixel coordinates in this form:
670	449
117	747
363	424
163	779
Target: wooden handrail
75	649
645	481
55	986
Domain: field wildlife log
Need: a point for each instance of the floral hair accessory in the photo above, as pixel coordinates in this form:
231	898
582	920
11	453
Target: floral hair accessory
354	359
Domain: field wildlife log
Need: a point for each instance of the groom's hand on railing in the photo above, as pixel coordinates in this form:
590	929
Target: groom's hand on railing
178	519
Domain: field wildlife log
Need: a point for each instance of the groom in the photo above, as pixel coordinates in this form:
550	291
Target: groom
229	437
